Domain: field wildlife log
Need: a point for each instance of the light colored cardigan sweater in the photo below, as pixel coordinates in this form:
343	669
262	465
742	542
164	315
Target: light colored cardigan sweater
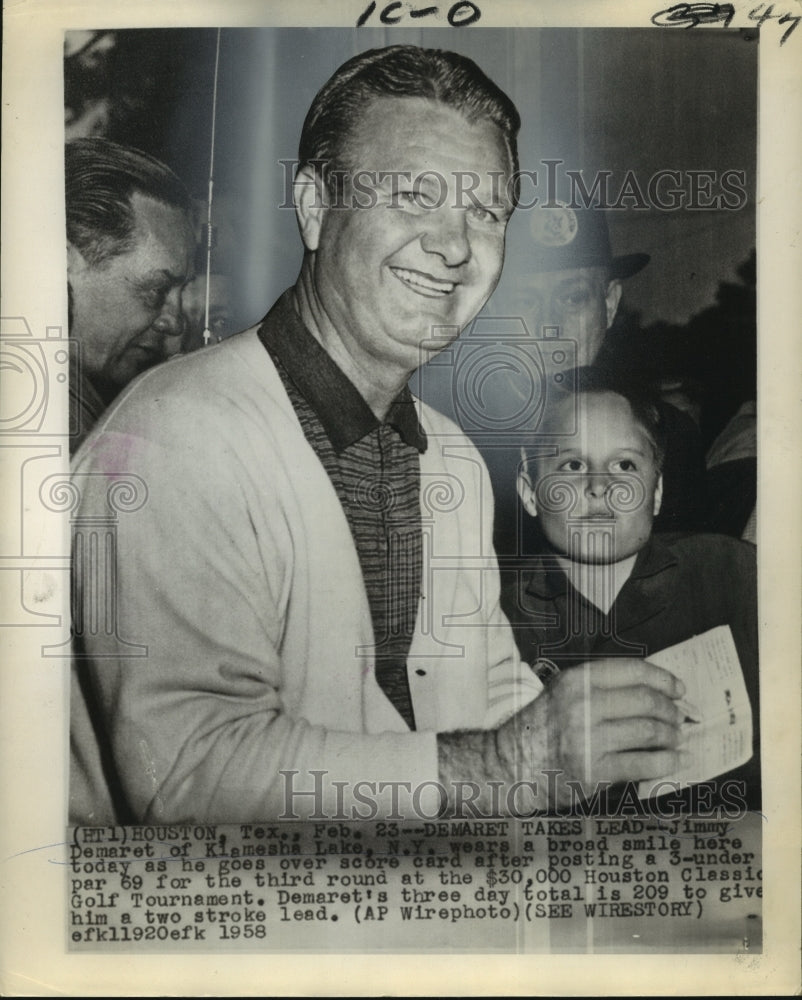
240	576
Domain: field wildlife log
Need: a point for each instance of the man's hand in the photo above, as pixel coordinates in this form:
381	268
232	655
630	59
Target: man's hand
604	721
615	720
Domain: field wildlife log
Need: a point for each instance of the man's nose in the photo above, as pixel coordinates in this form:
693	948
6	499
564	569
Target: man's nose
170	321
446	234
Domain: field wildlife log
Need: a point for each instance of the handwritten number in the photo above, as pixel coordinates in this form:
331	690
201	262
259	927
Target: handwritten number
386	17
462	22
794	22
366	13
459	15
768	13
689	15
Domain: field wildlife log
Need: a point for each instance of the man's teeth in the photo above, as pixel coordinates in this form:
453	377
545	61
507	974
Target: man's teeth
424	281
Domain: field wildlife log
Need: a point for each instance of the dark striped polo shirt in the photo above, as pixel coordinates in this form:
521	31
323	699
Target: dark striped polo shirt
375	471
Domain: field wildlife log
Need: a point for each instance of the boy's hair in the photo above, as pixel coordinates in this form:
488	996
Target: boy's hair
642	402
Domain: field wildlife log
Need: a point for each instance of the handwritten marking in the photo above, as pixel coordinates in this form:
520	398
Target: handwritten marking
459	15
691	15
768	14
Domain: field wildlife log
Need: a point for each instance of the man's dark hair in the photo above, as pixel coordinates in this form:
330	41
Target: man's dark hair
100	178
399	71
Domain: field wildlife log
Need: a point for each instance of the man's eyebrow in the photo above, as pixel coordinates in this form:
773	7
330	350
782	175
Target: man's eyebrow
500	205
494	197
575	279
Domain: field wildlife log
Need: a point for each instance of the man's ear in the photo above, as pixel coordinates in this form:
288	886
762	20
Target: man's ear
658	496
526	487
308	191
76	262
611	299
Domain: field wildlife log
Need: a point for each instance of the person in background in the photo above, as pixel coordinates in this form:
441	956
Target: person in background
607	586
564	283
130	248
221	324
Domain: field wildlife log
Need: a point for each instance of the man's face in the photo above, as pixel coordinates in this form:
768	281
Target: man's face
126	311
580	303
427	252
596	499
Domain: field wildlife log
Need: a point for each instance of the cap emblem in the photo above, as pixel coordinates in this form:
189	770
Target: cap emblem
554	225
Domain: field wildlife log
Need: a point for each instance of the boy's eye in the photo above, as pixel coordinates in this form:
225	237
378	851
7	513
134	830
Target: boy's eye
624	465
572	465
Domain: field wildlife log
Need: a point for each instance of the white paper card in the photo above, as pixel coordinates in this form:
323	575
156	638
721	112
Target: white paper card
719	715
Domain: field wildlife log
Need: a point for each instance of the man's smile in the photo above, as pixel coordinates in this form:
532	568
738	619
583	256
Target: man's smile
424	284
149	354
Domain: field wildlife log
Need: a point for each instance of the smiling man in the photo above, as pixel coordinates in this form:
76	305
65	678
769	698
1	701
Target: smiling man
129	253
311	571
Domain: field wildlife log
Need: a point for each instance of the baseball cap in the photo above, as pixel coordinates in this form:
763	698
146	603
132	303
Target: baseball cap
565	237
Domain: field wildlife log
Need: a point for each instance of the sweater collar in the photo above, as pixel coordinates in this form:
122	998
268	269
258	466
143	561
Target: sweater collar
344	414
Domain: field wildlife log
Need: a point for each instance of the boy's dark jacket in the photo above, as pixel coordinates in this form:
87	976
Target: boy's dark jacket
680	586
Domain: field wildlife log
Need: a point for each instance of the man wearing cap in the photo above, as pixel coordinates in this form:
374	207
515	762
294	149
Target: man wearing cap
567	277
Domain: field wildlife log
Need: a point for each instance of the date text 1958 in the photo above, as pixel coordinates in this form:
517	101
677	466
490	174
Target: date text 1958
458	15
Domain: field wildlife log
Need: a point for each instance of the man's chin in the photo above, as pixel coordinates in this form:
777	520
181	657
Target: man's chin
140	361
111	385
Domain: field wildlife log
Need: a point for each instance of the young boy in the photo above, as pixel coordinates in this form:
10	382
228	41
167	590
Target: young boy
604	585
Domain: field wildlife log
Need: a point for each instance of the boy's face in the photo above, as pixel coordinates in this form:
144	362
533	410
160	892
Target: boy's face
596	499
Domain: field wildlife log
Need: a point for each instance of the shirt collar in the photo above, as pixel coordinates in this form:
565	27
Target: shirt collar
344	414
549	581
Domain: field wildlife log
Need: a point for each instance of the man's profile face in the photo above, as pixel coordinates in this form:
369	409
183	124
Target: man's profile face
428	251
578	304
597	497
126	311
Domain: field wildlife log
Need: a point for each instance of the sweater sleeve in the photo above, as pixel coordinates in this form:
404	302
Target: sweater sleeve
511	682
